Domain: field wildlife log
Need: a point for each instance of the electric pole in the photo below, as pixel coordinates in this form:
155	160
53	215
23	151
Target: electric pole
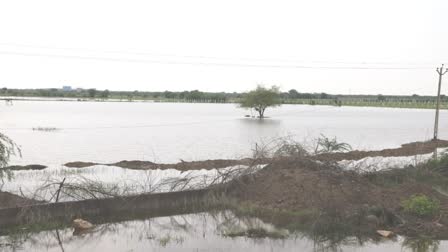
441	72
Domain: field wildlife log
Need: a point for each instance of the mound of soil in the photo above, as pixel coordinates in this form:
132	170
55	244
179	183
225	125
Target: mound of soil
8	200
298	185
409	149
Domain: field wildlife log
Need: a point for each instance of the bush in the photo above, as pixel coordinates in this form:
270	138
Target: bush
327	145
438	165
421	205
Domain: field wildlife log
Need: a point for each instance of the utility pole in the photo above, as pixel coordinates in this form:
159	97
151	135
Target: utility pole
441	72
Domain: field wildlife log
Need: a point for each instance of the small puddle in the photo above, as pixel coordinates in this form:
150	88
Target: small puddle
209	231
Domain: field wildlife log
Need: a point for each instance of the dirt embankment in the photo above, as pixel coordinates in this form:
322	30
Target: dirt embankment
306	185
409	149
25	167
11	200
181	166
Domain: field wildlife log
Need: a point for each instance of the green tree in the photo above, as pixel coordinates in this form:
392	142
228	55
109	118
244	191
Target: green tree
293	94
92	92
105	94
260	99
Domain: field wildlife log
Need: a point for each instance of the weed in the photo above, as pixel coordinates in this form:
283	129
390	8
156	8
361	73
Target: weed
421	205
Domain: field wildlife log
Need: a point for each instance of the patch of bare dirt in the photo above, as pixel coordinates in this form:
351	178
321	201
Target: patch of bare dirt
8	200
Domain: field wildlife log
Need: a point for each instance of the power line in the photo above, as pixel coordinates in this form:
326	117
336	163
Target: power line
216	64
364	63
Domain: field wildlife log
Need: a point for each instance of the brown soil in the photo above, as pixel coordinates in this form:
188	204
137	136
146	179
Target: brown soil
299	185
8	200
409	149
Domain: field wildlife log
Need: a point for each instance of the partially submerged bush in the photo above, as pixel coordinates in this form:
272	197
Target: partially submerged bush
421	205
46	129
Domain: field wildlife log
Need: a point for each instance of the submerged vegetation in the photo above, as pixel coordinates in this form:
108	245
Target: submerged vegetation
45	129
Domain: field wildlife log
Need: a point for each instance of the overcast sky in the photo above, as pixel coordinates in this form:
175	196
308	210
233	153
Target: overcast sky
311	46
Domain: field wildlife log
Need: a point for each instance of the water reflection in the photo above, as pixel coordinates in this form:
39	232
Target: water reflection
199	232
422	245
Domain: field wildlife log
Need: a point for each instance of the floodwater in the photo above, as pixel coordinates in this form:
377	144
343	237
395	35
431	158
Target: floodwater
41	184
199	232
167	132
107	132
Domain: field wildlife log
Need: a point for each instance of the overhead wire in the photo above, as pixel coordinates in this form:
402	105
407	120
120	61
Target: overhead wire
220	64
212	57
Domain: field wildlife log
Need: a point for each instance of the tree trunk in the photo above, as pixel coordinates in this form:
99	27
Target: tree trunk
261	112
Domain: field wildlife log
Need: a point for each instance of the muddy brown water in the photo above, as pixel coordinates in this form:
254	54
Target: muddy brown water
206	231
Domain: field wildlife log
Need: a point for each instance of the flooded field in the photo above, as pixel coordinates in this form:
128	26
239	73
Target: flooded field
167	132
213	231
53	133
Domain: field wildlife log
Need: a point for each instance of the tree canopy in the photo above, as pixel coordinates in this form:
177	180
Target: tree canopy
261	98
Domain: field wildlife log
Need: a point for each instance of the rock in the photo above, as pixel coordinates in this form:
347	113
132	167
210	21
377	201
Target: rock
80	225
385	233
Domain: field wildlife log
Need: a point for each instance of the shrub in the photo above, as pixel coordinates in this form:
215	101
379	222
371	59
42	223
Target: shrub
421	205
439	165
327	145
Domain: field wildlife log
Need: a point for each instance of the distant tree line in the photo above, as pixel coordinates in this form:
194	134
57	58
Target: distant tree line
196	95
